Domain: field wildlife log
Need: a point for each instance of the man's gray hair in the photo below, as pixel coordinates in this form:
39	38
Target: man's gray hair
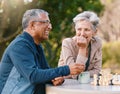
31	15
88	15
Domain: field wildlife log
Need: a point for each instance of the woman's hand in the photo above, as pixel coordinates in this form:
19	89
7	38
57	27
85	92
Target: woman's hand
81	41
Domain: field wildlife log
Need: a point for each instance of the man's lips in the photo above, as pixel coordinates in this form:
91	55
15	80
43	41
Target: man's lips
47	33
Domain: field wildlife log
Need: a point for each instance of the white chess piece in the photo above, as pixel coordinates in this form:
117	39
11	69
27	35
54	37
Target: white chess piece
95	79
115	80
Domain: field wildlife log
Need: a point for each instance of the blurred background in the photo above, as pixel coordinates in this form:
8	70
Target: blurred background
61	14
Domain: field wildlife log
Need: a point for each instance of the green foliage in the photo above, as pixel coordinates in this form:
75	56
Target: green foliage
111	55
61	15
111	52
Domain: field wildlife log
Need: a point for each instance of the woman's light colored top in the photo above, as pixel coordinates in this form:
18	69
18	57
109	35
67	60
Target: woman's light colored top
69	54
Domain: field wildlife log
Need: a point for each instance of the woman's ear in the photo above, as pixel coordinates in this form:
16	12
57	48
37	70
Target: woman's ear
94	32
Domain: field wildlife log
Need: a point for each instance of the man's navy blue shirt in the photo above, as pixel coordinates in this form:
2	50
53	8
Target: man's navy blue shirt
30	62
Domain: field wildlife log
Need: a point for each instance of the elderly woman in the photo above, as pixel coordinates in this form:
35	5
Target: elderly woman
85	46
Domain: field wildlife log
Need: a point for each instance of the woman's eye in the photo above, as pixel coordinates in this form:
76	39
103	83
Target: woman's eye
87	29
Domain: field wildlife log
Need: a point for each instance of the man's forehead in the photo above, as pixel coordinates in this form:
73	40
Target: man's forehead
43	15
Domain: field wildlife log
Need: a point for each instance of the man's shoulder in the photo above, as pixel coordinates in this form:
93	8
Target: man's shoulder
20	42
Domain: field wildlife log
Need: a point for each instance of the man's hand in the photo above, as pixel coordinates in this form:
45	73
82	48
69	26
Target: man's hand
58	81
76	68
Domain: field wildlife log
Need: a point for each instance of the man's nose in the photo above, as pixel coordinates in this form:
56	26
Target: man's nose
50	26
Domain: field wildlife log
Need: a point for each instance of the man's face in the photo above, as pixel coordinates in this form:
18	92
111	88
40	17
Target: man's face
42	27
83	28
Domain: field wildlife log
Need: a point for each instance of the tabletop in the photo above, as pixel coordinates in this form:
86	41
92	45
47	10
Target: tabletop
72	86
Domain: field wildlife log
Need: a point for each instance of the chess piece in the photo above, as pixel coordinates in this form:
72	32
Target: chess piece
95	79
115	80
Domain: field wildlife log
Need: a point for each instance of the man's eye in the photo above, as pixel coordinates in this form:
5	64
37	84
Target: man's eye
79	29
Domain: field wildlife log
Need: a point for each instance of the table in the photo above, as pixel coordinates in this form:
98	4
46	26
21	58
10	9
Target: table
72	86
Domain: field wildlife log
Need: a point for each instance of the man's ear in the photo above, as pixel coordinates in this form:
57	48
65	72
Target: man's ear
31	25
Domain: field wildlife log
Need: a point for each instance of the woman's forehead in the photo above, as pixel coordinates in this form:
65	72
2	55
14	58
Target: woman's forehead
83	22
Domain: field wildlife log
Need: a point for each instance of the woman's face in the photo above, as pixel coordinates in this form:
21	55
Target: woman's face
84	29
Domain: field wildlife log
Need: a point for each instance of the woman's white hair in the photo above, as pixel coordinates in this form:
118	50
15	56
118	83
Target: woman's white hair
88	15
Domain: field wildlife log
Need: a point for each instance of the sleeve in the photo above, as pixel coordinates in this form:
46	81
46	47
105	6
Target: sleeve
81	59
97	61
66	56
23	59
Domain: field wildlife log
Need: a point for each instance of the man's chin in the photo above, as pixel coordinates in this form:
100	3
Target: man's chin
46	38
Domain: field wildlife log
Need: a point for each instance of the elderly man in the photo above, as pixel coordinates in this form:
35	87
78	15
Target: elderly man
23	68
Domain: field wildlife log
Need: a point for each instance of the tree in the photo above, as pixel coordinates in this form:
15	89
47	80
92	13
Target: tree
61	14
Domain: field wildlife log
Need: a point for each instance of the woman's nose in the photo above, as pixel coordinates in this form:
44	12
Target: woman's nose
82	33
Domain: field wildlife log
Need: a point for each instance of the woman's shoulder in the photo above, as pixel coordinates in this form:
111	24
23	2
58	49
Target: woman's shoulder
68	42
97	41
